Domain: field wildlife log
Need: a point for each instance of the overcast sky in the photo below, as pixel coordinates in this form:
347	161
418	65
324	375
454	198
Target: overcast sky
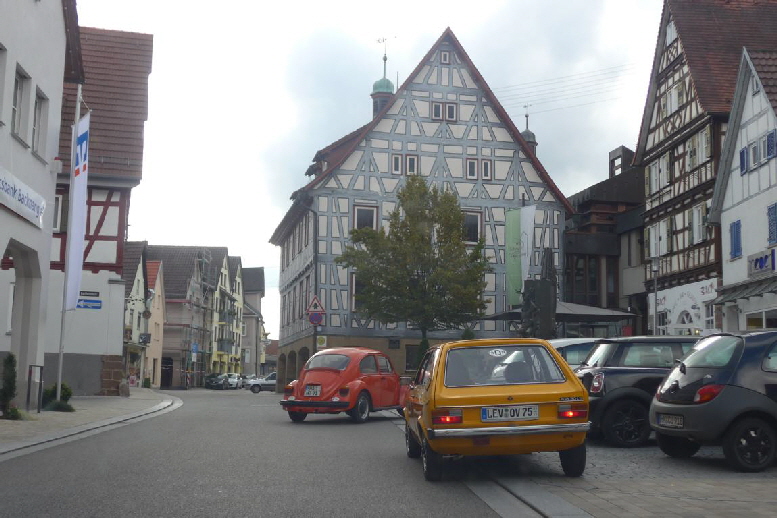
243	93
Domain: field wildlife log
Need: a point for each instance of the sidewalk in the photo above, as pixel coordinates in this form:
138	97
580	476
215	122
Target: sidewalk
91	412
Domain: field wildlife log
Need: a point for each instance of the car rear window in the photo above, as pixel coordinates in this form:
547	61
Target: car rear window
648	355
328	361
714	352
500	365
575	354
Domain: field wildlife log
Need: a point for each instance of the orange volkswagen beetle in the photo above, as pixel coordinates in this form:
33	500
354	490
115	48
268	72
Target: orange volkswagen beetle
354	380
495	397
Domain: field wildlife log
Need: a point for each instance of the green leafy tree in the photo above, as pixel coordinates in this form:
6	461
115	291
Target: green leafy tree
8	387
420	271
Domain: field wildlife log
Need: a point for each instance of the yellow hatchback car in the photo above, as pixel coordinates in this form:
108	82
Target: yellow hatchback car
495	397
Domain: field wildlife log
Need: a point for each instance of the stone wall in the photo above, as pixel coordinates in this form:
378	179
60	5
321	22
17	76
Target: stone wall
111	375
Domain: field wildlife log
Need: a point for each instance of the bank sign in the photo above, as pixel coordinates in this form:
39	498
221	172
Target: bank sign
18	197
761	264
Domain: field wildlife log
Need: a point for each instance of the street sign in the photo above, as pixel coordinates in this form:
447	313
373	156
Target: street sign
316	318
89	304
315	306
194	348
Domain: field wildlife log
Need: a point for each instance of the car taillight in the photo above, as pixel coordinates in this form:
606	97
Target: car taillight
707	393
344	392
288	390
449	416
572	411
597	384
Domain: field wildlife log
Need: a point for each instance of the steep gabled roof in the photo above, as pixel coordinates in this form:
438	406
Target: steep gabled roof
180	262
337	152
116	66
712	34
234	264
253	280
152	270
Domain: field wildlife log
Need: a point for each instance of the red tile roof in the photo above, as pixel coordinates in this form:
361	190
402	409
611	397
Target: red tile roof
152	270
765	63
117	65
712	33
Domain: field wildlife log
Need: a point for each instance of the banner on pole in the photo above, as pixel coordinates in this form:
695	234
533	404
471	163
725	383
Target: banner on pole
519	239
76	229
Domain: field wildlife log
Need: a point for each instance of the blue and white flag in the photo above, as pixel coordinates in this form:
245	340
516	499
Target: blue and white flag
76	229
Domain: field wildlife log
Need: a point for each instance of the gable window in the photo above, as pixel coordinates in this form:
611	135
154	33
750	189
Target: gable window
485	169
755	154
437	111
735	234
445	57
671	32
472	169
754	83
365	217
396	164
451	110
471	227
411	165
771	215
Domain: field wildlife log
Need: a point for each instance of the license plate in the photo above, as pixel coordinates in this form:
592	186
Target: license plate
670	421
313	390
509	413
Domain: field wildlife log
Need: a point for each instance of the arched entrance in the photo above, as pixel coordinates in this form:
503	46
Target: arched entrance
291	367
281	370
304	356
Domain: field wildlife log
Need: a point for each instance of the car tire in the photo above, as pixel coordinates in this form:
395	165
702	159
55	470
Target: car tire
573	461
256	389
625	424
432	463
297	417
677	447
749	445
361	410
412	446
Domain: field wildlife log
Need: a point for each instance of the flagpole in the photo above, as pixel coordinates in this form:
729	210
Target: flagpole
73	137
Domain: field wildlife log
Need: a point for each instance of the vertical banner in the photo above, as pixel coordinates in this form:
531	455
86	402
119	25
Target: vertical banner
76	229
519	239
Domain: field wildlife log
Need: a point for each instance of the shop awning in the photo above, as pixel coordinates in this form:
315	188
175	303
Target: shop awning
570	312
745	291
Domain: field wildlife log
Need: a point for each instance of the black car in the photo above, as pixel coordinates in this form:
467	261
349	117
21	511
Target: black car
723	393
621	376
216	381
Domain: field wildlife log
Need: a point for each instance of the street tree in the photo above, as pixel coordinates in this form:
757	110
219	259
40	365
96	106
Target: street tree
421	271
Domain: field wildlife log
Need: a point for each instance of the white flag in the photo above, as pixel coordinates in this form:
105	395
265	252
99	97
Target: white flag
76	228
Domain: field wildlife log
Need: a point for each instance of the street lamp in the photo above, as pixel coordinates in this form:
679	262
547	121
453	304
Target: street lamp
654	268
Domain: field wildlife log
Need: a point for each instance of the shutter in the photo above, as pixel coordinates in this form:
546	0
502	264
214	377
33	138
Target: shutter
771	214
743	160
771	144
669	236
691	240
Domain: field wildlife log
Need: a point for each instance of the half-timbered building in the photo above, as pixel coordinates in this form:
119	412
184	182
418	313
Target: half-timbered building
117	65
445	124
683	125
744	203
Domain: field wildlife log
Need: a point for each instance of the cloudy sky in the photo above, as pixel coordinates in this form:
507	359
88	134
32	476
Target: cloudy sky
243	93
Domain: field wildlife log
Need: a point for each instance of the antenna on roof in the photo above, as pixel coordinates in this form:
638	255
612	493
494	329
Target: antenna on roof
526	106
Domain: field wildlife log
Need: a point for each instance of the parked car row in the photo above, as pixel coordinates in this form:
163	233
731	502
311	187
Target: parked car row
233	380
475	397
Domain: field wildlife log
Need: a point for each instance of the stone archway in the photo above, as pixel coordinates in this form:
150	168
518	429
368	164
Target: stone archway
281	379
291	367
302	359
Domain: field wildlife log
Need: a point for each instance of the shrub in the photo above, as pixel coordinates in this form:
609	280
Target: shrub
8	387
146	382
468	334
59	406
13	413
50	394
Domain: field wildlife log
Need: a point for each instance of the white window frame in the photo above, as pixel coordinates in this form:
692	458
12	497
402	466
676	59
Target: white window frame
19	103
479	216
471	168
438	111
366	208
445	57
485	169
754	153
39	122
671	32
451	112
698	224
411	165
397	161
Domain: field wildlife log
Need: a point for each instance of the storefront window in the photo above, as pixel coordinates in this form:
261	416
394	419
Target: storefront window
755	320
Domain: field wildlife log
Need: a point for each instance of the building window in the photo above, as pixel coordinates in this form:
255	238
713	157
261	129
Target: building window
396	164
472	169
39	123
485	169
771	214
445	57
754	82
365	217
755	154
671	32
357	287
437	111
55	225
451	110
411	165
709	316
735	234
17	106
471	227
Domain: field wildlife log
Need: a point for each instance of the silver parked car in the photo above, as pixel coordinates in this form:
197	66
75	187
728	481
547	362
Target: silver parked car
266	383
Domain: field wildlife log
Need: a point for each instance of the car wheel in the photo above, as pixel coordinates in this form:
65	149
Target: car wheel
750	445
412	446
432	463
361	410
297	417
256	389
573	461
625	424
677	447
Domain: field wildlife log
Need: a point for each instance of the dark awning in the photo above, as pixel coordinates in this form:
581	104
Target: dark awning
745	291
570	312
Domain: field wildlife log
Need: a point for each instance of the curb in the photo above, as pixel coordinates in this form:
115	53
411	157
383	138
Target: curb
168	404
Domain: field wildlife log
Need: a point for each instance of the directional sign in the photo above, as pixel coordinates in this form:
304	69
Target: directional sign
315	306
194	348
89	304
